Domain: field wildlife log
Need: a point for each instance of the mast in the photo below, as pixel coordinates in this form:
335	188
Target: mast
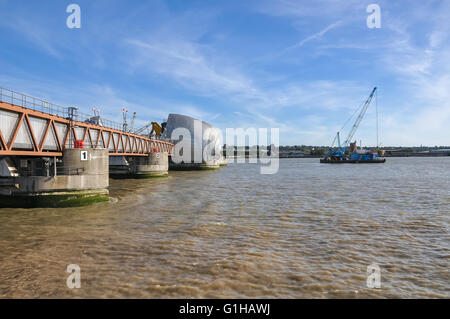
376	107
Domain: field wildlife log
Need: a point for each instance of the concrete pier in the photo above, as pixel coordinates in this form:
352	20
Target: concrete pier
156	164
205	165
79	178
223	161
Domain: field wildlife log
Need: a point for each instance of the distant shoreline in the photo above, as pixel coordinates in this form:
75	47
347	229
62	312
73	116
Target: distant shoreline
320	156
387	155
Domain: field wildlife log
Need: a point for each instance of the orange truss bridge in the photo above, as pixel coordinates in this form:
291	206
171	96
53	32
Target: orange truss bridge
32	127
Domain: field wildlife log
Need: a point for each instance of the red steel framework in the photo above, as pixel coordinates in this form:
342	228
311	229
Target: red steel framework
128	144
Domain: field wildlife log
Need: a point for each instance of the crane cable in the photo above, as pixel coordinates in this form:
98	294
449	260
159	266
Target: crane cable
348	120
376	107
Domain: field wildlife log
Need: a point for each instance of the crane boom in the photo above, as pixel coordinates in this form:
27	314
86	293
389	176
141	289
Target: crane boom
359	119
142	129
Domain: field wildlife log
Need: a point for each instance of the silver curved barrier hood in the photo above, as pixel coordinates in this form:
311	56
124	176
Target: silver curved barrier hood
203	135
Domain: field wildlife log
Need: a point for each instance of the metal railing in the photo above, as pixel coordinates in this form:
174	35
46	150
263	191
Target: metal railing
36	104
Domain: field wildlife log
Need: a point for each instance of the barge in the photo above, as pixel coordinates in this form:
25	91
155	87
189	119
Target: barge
352	161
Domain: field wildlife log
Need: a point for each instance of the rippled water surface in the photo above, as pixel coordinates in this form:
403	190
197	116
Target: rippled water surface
309	231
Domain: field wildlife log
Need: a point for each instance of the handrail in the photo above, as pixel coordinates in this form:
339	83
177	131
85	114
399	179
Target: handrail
37	104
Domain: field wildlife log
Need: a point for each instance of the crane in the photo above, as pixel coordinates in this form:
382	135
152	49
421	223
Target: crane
132	122
125	127
142	129
360	117
124	124
342	148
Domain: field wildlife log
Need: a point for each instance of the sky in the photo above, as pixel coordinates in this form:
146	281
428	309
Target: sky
301	66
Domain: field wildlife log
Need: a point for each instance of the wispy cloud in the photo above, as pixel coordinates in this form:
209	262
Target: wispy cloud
185	64
419	66
315	36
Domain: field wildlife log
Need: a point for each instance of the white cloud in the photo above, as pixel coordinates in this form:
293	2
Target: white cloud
315	35
183	62
421	68
186	64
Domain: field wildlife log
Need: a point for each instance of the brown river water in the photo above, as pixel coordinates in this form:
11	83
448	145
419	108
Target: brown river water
309	231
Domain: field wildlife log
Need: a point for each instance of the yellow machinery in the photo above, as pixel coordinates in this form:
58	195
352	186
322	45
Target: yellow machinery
157	129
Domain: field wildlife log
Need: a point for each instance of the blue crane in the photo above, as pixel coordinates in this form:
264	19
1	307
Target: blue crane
342	148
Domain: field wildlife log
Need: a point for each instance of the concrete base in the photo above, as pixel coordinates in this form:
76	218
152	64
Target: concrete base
129	175
55	199
150	175
223	162
42	184
156	164
81	179
193	166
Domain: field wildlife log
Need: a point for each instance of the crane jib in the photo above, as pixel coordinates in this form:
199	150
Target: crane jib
360	117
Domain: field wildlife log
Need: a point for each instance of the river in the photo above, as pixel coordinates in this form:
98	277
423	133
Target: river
309	231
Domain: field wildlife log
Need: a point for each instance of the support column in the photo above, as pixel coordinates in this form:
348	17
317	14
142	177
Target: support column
155	165
205	165
82	178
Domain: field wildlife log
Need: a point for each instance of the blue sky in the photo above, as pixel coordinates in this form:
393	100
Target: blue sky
301	66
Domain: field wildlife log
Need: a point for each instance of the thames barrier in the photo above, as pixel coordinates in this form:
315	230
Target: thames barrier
54	156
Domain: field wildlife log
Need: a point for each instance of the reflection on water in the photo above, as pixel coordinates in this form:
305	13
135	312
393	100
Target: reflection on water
309	231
